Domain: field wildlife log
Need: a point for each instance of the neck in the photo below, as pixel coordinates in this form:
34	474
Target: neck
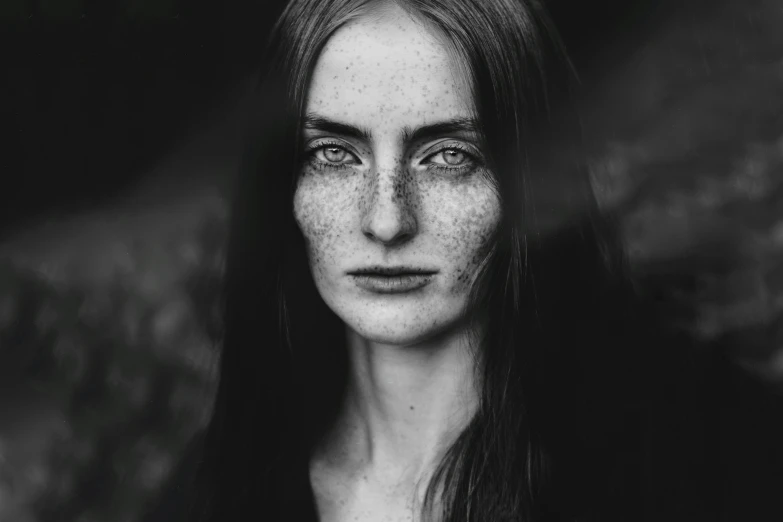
403	405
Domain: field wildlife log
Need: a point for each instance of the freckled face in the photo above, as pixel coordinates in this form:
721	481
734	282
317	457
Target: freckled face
393	177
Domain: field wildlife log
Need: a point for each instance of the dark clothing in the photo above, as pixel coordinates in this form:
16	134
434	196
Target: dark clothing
707	447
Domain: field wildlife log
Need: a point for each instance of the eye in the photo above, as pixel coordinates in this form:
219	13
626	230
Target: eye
451	157
333	155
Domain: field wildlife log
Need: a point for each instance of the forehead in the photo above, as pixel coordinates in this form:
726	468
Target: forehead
386	71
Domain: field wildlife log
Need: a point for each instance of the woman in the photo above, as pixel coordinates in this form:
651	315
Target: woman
426	316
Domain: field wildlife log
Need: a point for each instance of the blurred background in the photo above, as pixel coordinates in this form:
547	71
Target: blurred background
122	122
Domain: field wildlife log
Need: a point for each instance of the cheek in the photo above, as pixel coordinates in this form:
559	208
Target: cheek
322	211
464	223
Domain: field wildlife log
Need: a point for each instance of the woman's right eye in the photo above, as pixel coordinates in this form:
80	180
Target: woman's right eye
332	155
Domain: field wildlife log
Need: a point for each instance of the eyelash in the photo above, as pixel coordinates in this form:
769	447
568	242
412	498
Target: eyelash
472	160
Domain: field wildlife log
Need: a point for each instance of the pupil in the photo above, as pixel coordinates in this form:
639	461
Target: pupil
334	154
453	157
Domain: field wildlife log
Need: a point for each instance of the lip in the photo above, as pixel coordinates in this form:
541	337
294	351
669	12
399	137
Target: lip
391	280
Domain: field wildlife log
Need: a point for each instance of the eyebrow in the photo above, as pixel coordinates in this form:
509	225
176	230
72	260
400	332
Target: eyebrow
409	135
313	122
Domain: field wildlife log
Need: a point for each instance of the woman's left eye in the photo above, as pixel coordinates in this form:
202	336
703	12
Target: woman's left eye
451	157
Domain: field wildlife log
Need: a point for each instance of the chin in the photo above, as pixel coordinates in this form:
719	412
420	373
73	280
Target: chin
391	335
399	327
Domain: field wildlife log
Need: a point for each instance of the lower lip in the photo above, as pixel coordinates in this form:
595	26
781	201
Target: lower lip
397	284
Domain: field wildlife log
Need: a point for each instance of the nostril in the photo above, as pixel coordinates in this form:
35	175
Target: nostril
390	241
388	232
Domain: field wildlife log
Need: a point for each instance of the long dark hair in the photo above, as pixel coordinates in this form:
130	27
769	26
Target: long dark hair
554	291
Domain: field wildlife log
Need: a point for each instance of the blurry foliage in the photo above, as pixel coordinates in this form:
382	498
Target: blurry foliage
686	141
132	376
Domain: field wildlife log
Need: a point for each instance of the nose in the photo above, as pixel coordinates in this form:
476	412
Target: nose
388	216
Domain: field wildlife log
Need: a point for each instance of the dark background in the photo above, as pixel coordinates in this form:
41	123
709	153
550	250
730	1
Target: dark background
90	84
120	131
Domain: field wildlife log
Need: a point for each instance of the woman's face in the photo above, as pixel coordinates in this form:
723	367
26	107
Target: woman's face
393	200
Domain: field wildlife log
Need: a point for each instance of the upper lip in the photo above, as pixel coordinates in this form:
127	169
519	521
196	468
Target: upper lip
391	270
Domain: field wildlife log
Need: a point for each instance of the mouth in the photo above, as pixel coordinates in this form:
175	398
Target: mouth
392	280
390	271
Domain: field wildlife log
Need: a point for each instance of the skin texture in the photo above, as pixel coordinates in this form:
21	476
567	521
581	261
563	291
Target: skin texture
383	200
